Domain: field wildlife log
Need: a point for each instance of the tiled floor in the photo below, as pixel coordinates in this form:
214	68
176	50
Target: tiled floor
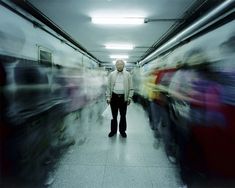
98	161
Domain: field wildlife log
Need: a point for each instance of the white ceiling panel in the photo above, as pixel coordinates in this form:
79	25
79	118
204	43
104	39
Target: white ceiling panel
74	17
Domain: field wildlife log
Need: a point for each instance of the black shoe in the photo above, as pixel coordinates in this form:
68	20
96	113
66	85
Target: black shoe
123	135
111	134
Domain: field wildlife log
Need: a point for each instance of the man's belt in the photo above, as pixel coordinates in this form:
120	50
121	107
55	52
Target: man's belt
118	95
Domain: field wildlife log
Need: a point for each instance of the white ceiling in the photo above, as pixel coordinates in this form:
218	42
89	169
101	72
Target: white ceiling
74	17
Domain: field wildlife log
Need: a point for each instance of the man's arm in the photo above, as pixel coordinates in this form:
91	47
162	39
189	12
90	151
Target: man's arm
108	90
131	90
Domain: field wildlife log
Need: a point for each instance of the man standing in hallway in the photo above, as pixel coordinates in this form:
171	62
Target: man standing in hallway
119	94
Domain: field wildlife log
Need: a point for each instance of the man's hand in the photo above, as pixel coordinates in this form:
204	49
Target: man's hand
128	102
108	101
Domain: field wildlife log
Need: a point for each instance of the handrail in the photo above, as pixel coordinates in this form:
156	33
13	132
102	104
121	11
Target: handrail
190	30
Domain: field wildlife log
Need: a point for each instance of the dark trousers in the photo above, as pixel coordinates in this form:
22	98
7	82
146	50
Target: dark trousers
118	103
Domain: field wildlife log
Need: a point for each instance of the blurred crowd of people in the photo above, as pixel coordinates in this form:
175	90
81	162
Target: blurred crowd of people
190	103
36	104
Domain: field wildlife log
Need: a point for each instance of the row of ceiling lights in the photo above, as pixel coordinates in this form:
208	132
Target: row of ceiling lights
119	21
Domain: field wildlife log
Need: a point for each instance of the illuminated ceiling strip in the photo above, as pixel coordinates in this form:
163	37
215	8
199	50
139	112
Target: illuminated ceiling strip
119	56
117	20
119	47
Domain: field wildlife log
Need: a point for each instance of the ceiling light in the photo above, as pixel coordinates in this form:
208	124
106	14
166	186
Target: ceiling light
119	46
119	56
114	62
117	20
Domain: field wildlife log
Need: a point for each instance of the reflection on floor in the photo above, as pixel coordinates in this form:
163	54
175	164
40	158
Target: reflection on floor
99	161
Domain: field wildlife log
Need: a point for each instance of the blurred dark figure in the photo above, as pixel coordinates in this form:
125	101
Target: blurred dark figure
3	127
204	125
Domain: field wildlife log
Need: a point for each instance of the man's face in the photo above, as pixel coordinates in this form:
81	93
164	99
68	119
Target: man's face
119	65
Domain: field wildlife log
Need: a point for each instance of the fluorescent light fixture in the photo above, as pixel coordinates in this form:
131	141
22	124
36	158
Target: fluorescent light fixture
119	46
117	20
114	62
119	56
